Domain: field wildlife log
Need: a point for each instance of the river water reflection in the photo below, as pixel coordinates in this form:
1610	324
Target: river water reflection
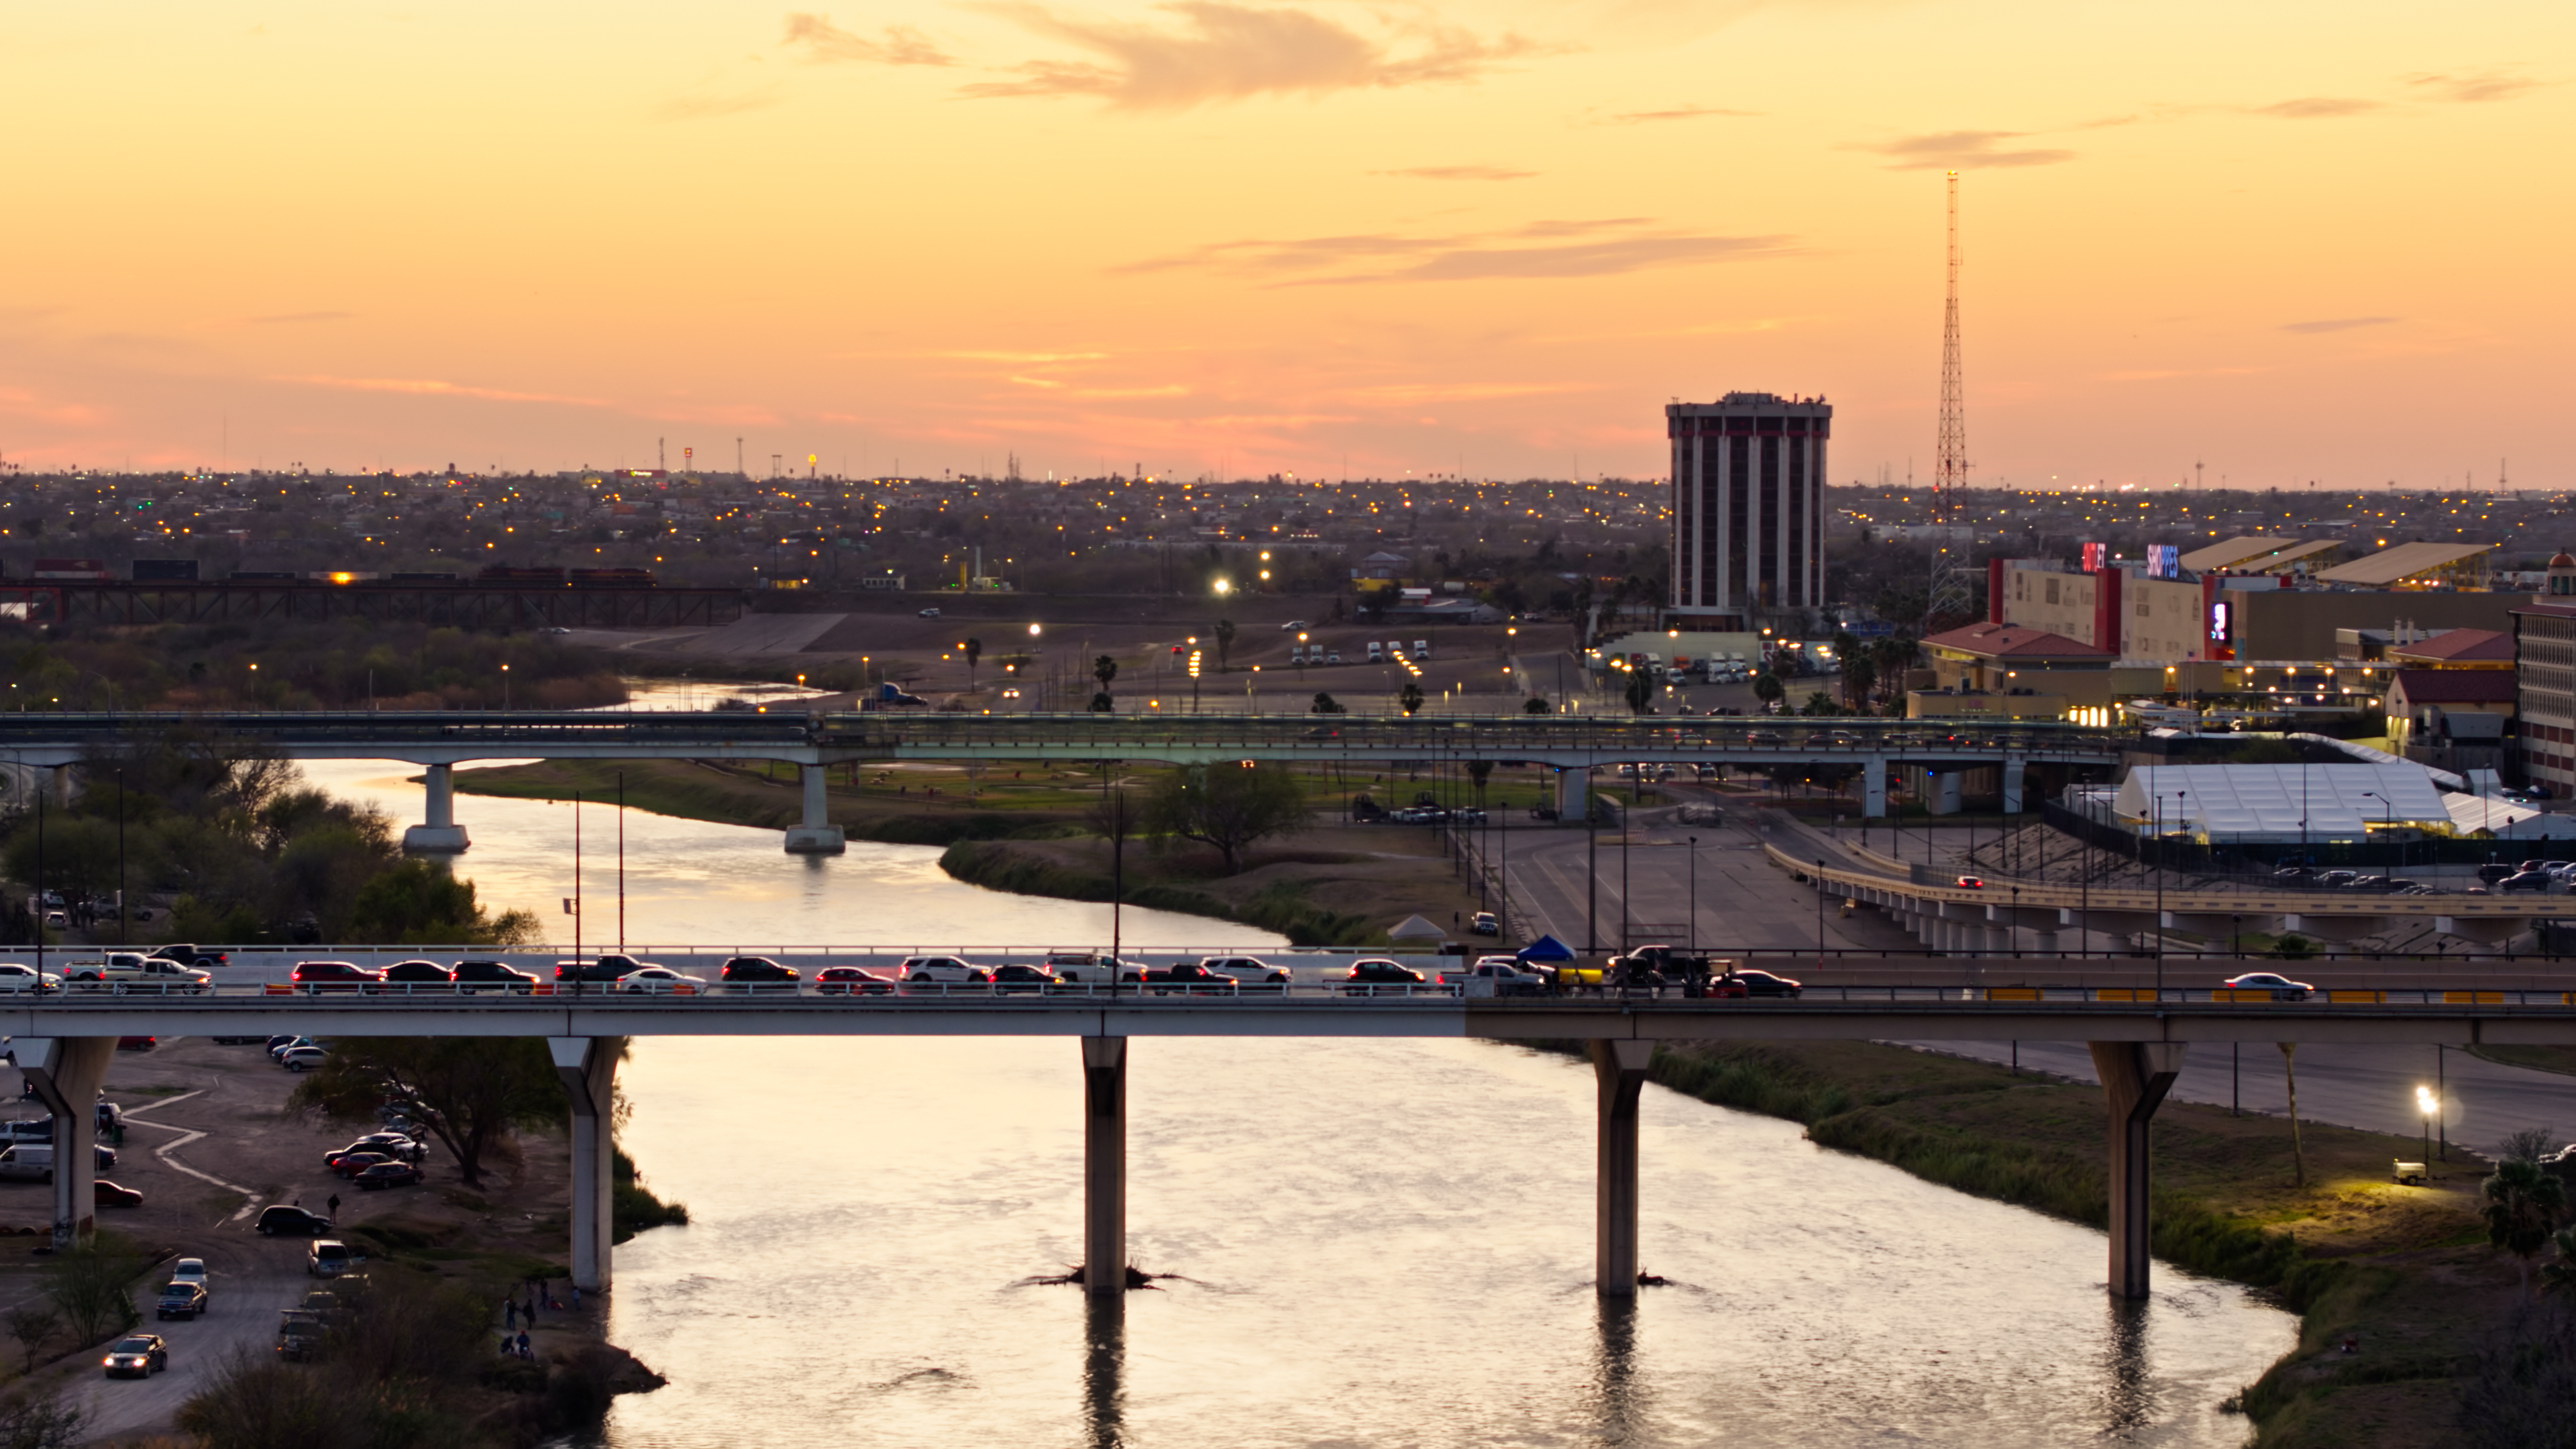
1378	1243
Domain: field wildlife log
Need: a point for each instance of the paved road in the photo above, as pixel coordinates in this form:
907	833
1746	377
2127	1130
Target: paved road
246	1292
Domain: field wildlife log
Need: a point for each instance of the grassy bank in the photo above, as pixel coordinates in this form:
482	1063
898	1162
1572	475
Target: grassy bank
2404	1270
1282	905
771	798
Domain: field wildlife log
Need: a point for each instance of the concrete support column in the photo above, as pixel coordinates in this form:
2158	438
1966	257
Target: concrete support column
1873	795
1104	1164
588	1066
2135	1077
1999	940
2044	943
60	778
1619	1071
1571	783
438	833
817	835
2012	784
67	1072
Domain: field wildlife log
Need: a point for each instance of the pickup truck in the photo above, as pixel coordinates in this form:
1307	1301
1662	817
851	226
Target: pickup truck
123	971
187	955
1497	976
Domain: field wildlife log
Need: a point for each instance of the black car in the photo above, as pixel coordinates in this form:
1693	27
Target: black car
388	1174
419	973
137	1355
2494	873
1762	983
281	1221
2528	880
749	972
1379	977
181	1300
606	969
187	955
1020	979
851	981
476	976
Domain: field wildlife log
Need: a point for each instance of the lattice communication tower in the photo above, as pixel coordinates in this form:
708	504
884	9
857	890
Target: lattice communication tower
1948	603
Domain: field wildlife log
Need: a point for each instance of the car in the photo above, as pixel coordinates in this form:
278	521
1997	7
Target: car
180	1300
2370	882
928	614
1485	923
851	981
1010	694
1186	977
303	1058
1293	625
137	1043
350	1164
388	1174
610	967
1756	983
475	977
418	973
2291	872
661	981
750	973
1018	977
313	977
2490	874
1971	883
1333	656
191	1270
1376	976
19	976
2278	986
106	1194
1245	970
192	956
940	971
282	1220
137	1356
2527	880
2338	877
397	1145
329	1258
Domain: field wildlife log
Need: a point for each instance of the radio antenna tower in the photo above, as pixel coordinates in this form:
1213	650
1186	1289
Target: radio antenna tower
1947	602
1953	472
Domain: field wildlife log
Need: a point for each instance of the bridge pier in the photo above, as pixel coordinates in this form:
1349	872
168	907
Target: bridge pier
67	1072
817	835
1619	1074
2135	1077
438	833
1571	783
1104	1165
1873	794
588	1066
2012	783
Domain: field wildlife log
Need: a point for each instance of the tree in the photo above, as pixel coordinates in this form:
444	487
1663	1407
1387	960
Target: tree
2298	1151
31	1324
39	1419
465	1091
2560	1276
1819	703
974	649
417	901
1224	640
1640	692
1326	704
1227	807
1101	703
2524	1203
1860	676
1104	669
1536	705
1767	688
1479	771
91	1287
1410	698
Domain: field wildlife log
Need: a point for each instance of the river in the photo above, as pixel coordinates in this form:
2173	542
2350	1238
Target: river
1377	1243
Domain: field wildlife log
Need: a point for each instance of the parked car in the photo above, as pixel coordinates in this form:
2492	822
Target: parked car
750	973
397	1145
2338	877
2527	880
180	1300
1485	923
329	1258
418	973
476	977
19	976
2494	873
350	1164
303	1058
137	1356
2278	986
1376	976
661	981
388	1174
318	976
928	614
282	1221
137	1043
851	981
106	1194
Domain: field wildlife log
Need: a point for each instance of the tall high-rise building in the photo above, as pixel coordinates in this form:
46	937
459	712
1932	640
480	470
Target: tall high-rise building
1748	509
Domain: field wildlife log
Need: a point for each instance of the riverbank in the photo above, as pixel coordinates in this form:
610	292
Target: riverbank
2404	1271
936	807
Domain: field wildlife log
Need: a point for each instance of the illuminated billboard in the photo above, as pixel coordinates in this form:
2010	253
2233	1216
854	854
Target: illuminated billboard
2164	561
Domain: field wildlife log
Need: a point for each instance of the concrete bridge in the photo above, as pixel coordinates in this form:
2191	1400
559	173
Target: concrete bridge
2138	1037
1570	745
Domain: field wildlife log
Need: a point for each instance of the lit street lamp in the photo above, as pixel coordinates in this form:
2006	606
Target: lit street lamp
2431	1107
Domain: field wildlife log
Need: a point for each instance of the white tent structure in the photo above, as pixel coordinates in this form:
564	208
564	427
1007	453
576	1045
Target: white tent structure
1414	928
2474	815
2281	804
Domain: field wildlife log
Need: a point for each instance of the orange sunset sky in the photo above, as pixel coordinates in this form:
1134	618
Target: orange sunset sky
2290	241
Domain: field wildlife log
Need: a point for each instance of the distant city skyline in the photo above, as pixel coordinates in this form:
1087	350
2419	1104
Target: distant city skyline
1236	239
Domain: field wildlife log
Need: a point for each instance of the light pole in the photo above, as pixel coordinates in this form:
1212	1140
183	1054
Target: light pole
1691	941
2430	1106
1820	915
2387	821
505	687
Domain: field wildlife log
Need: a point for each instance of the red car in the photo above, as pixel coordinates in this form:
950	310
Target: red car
316	976
388	1174
851	981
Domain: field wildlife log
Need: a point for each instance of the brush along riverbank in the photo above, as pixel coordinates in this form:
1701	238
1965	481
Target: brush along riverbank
2404	1271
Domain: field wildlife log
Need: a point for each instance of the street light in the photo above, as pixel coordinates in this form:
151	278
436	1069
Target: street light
2431	1107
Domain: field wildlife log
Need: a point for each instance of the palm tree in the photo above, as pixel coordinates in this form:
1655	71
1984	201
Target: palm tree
974	650
1224	641
1104	669
1767	688
1536	705
2523	1205
1411	699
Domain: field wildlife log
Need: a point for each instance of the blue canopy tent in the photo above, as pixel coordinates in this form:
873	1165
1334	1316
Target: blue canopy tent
1546	948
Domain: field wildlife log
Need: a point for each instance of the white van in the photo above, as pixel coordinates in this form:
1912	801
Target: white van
1376	654
1421	648
27	1162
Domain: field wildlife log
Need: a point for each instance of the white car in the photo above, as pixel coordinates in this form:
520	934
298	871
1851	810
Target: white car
191	1270
1293	625
941	970
930	613
661	981
1246	970
18	976
303	1058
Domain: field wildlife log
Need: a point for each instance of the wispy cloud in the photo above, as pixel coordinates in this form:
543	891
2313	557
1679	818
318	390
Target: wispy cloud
2336	324
2317	108
1539	250
1964	150
434	387
1458	173
1677	113
824	43
2470	87
1219	51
